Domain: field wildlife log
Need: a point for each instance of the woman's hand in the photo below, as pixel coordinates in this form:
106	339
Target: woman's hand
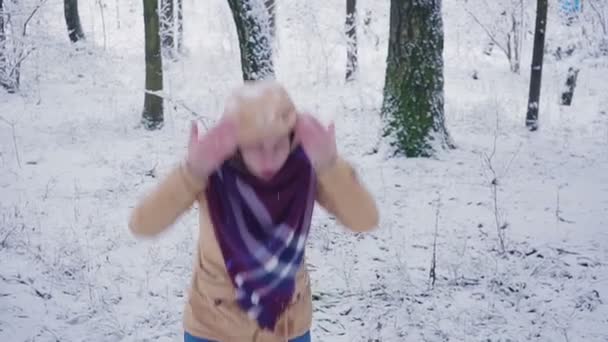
318	142
207	152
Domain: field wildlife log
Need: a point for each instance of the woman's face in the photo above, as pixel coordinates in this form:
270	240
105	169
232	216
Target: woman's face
266	158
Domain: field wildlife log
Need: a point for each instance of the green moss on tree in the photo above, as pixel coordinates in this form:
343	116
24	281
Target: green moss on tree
413	106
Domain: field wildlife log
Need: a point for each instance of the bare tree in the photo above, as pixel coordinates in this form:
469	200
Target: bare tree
271	6
72	20
568	92
367	29
351	39
433	268
152	116
537	65
255	38
167	24
503	23
103	23
583	31
596	17
3	63
180	26
14	46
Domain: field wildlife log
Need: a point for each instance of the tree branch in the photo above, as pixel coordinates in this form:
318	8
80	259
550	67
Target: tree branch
599	15
21	59
492	37
40	4
3	242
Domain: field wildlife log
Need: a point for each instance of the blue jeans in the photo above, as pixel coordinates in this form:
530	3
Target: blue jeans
190	338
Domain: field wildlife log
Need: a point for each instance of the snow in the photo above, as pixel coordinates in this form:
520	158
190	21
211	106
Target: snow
70	269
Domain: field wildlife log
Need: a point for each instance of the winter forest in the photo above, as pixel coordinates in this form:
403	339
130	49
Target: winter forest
480	127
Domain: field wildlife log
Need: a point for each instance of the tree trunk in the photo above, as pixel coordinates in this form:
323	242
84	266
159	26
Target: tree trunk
1	22
2	30
271	6
103	24
168	27
152	116
413	91
9	54
537	65
2	46
351	39
255	39
72	20
516	29
6	80
570	85
180	26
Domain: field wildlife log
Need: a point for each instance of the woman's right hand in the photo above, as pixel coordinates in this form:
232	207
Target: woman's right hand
207	152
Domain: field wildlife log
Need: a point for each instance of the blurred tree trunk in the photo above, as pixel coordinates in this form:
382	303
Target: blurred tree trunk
152	116
2	30
180	26
72	20
413	106
2	46
568	93
255	38
1	19
537	65
351	39
515	47
9	58
271	6
168	27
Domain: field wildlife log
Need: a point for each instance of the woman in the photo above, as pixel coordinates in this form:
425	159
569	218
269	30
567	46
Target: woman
256	176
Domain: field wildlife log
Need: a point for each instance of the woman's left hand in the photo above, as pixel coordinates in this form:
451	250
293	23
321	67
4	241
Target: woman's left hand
318	142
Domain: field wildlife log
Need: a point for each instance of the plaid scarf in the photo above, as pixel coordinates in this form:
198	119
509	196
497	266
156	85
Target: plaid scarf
262	228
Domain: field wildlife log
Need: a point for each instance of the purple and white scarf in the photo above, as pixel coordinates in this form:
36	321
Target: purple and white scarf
262	228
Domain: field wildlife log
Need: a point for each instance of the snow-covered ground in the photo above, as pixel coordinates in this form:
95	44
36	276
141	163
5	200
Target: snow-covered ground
74	160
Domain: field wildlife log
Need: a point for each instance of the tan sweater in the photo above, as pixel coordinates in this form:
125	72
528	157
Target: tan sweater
211	311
